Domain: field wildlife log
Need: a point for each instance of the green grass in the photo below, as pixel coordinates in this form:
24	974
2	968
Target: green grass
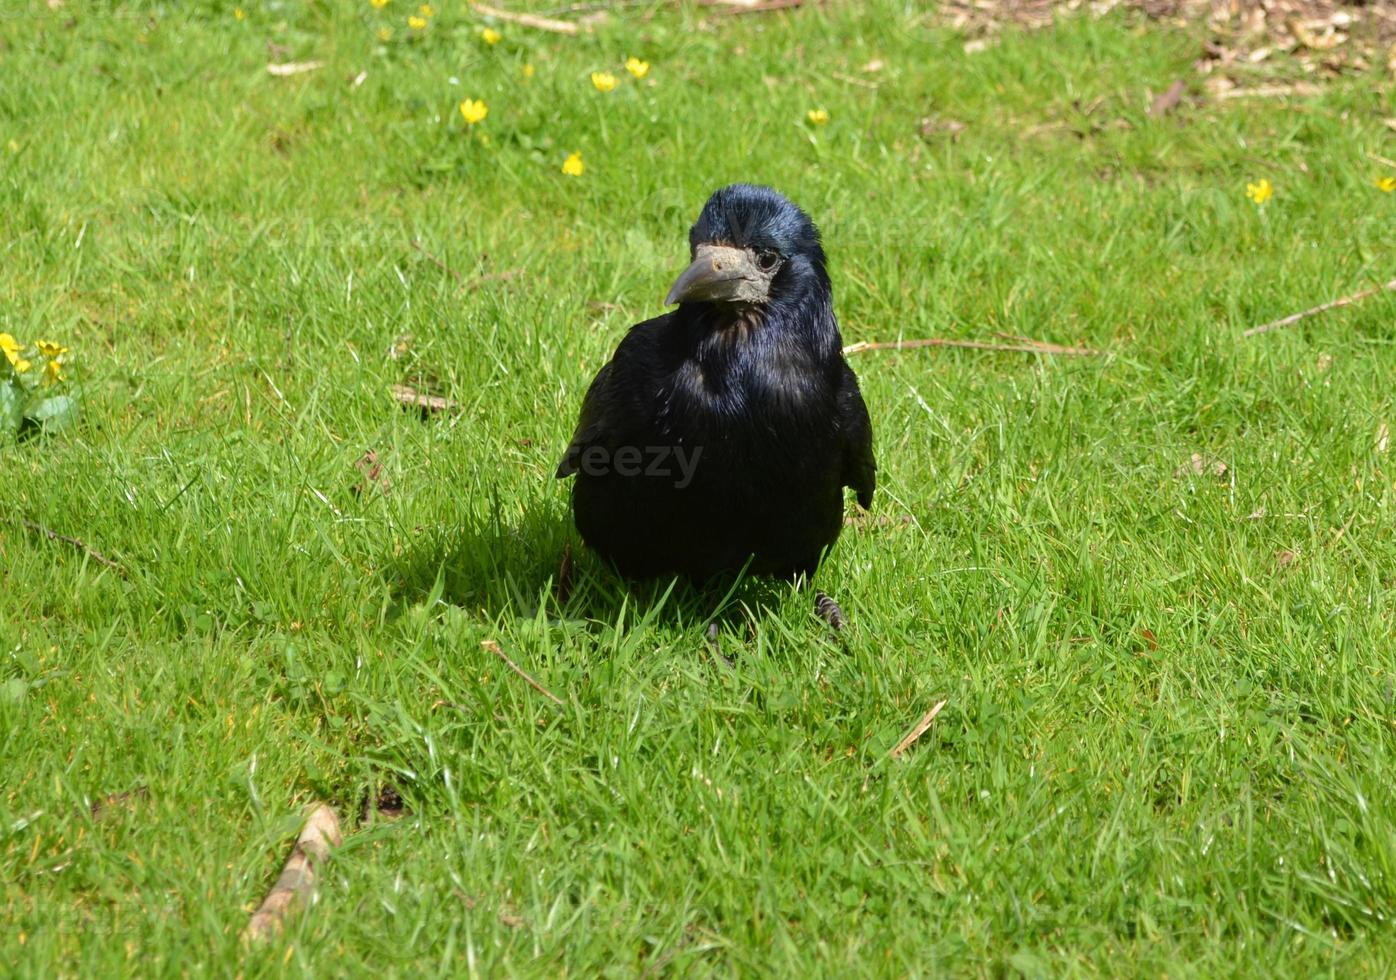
1167	747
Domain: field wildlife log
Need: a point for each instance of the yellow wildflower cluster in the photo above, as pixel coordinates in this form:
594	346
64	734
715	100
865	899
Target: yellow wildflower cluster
14	353
1386	184
1261	191
490	36
604	81
817	117
474	111
21	358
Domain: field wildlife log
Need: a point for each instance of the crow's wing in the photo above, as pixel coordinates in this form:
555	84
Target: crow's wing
592	428
859	467
618	397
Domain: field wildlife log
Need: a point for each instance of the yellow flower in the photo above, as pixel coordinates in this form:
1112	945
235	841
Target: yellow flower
49	349
427	10
417	23
490	36
818	117
53	371
385	33
239	14
1260	192
528	71
1387	184
637	67
474	110
378	4
11	348
573	165
604	81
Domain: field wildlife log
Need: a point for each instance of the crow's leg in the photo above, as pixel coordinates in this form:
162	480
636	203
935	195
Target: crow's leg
715	648
828	610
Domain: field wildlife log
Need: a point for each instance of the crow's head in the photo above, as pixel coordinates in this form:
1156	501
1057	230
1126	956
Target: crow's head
751	247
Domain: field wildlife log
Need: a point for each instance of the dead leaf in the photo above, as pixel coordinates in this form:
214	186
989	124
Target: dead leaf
123	800
1284	558
1383	437
412	398
373	477
876	65
1168	100
1150	640
281	69
932	126
979	44
917	731
1199	465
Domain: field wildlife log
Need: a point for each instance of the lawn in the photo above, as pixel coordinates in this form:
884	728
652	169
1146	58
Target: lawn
1168	739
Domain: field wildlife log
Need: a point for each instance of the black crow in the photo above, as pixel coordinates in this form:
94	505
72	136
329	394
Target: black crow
723	433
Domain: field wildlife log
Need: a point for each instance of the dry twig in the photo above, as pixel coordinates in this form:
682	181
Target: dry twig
528	20
743	7
916	732
1294	318
1028	346
286	68
1271	91
436	262
297	879
96	556
413	398
493	648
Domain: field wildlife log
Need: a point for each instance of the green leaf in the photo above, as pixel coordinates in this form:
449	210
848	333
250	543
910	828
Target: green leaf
52	414
11	411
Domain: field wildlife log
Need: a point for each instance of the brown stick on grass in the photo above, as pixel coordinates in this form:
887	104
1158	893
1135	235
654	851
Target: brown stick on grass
528	20
96	556
493	648
918	731
436	262
1030	347
739	7
1294	318
297	879
412	398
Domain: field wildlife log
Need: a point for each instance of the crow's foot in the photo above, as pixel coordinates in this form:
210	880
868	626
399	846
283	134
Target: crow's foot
714	647
828	610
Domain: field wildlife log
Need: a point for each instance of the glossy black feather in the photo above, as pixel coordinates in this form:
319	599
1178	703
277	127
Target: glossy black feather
759	401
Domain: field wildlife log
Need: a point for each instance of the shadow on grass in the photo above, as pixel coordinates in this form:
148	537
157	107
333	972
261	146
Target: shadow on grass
505	572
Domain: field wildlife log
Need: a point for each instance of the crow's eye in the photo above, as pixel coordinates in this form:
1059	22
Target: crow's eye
767	260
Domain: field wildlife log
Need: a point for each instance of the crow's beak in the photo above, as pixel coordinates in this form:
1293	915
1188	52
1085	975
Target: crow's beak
720	273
